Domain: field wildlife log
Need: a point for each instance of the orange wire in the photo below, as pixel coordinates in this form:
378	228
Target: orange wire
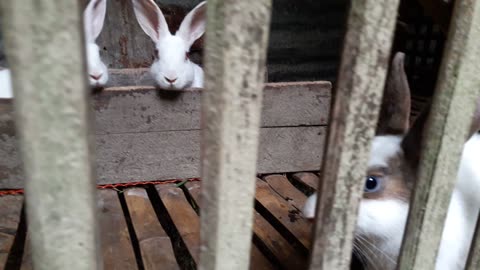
111	186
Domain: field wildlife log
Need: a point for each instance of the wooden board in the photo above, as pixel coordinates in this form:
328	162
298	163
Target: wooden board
183	216
116	247
284	188
286	214
155	245
10	211
141	135
258	261
308	179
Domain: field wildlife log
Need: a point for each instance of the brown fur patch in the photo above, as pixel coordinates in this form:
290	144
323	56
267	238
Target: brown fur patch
396	180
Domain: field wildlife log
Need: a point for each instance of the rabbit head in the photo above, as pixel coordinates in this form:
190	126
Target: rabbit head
390	176
172	68
93	19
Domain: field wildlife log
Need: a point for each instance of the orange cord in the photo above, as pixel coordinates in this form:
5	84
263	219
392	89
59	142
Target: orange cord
112	186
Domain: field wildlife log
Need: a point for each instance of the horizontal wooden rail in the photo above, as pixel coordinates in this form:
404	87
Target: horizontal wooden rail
357	102
45	50
449	123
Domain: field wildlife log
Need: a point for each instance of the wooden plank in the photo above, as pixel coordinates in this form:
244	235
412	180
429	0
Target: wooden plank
309	179
183	216
258	260
117	247
10	211
52	116
285	213
361	80
284	188
452	112
143	109
286	254
155	245
473	261
124	116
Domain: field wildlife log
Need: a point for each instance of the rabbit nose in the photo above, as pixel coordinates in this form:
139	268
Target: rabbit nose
96	77
170	80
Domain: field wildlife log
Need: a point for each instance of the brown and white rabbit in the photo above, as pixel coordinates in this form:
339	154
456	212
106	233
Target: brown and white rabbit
172	68
391	176
93	19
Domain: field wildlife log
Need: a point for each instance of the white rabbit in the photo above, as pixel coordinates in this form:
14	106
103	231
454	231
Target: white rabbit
5	84
172	68
93	18
391	176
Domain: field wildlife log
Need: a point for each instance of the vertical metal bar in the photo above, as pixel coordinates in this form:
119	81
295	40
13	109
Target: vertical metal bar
235	53
357	103
457	88
44	46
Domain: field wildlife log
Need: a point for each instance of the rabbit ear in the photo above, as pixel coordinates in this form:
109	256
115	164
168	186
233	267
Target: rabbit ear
93	18
193	25
413	140
151	19
395	111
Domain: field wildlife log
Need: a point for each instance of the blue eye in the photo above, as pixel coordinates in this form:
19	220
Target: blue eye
372	184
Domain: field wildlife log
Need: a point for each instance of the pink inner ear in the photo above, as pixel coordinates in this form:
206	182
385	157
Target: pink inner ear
149	9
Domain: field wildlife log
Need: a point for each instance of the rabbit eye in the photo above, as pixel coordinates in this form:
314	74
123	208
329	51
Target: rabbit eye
187	56
372	184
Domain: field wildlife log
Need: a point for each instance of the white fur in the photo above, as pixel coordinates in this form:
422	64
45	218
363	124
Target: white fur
385	220
172	69
384	147
93	19
5	84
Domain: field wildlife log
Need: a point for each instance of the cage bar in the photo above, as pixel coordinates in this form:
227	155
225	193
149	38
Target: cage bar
356	107
44	45
235	53
457	89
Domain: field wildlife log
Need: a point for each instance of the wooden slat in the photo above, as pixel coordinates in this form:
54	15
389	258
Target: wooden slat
361	81
285	253
10	211
309	179
452	110
284	188
473	262
117	247
155	245
183	216
137	130
285	213
258	260
51	112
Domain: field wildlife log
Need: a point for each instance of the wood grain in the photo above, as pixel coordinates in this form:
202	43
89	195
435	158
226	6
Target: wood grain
309	179
10	211
155	245
448	126
51	112
183	216
258	261
141	136
285	213
284	188
284	252
116	244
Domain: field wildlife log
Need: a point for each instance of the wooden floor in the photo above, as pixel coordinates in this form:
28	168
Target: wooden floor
158	225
